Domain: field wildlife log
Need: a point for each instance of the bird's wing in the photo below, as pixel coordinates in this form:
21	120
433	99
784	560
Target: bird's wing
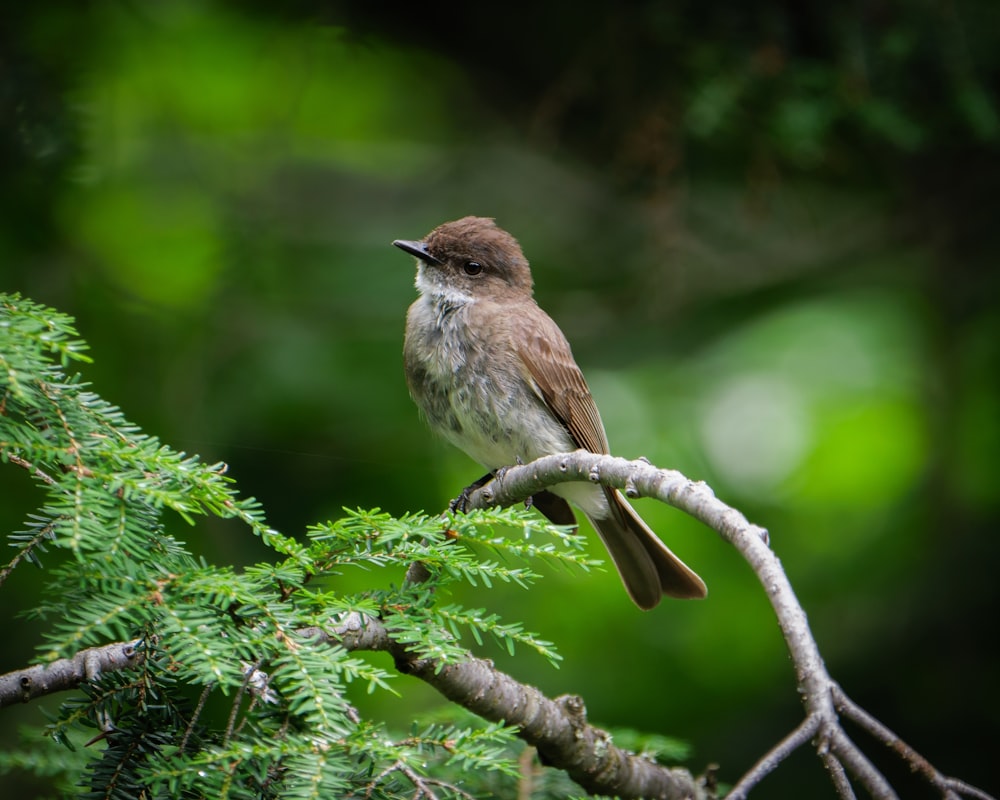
557	379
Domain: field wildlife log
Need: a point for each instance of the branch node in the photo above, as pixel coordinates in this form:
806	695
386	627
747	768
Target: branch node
575	709
823	741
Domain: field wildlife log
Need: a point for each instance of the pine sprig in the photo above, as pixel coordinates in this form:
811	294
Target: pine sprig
233	694
450	545
44	332
473	748
479	623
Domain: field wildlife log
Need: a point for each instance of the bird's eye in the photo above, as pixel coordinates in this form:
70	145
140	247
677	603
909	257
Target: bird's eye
472	267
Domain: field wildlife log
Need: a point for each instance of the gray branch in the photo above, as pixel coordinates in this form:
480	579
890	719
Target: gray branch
820	694
66	673
558	728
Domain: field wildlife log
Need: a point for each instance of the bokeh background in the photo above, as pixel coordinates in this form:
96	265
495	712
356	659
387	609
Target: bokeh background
770	231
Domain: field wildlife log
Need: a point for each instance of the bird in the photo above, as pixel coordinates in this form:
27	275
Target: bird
492	373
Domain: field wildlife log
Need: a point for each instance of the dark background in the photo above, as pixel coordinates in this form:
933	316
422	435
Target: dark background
770	231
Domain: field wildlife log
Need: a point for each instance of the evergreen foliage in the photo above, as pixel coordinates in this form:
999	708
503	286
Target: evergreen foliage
230	697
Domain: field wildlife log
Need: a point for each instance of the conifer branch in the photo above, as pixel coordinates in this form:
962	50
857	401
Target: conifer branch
23	685
106	486
558	728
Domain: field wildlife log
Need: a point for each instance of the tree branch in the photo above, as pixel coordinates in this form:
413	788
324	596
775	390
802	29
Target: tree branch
770	762
67	673
948	787
820	694
558	728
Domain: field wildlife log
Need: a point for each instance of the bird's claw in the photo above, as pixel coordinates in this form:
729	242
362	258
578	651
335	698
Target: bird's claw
460	504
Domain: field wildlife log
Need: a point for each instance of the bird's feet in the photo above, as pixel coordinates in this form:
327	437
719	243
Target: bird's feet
461	503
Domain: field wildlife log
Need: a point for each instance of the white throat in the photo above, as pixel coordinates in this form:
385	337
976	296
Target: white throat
431	285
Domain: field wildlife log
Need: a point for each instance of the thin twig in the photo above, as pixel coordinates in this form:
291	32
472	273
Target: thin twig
43	533
421	783
202	699
838	776
526	773
35	471
770	761
962	788
237	701
860	766
949	787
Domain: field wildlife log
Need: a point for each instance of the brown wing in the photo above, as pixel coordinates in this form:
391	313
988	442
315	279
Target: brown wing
546	355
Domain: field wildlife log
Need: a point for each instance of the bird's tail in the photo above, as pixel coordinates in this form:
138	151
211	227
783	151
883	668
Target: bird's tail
647	567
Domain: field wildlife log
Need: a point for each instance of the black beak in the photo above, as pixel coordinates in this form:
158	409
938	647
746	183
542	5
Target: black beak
418	249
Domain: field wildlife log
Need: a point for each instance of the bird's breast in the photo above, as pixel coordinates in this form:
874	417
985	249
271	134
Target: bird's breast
465	376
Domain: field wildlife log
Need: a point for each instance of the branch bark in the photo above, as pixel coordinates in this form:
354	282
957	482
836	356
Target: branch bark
67	673
821	696
558	728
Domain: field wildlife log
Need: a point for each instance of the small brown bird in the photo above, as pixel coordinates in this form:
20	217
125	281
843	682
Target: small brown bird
494	375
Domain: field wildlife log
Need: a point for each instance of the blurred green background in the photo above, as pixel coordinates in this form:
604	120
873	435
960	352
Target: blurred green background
769	230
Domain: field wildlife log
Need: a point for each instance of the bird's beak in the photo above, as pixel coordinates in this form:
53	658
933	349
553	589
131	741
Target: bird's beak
418	249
